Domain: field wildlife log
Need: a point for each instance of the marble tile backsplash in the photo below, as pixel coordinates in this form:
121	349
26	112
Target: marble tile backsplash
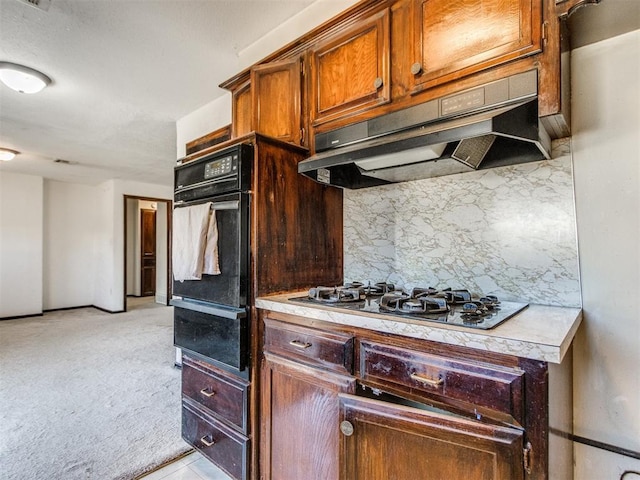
508	231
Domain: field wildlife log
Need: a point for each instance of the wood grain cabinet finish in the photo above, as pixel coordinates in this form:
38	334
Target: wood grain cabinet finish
382	441
300	416
319	348
411	408
380	56
277	100
224	395
224	446
242	113
468	385
455	39
350	70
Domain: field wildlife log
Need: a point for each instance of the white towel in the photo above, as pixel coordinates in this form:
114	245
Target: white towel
211	263
190	225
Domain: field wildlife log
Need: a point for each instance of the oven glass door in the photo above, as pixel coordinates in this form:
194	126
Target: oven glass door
216	332
230	287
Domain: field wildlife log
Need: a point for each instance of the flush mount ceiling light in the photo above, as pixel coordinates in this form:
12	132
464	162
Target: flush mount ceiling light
7	154
22	79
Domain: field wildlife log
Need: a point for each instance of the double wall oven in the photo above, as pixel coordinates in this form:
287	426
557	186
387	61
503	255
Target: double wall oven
211	315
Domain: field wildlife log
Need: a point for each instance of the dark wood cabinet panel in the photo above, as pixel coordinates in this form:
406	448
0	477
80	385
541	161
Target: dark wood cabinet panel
415	408
222	445
319	348
350	71
298	223
468	385
382	441
277	100
453	39
223	394
300	410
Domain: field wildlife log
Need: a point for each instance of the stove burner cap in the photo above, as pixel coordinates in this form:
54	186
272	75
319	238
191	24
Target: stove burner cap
334	295
378	288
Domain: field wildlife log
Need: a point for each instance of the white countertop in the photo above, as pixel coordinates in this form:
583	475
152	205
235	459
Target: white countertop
539	332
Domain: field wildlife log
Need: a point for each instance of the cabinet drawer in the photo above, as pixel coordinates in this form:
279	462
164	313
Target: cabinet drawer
222	445
216	390
450	380
309	345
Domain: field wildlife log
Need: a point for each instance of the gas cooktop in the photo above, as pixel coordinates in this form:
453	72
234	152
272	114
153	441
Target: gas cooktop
449	306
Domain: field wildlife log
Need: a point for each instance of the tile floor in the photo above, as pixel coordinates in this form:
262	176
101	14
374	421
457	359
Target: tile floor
192	467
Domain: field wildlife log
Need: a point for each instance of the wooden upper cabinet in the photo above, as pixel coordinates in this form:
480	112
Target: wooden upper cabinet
350	70
277	100
452	39
241	114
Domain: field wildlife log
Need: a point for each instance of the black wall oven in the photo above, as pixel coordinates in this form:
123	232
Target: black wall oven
211	315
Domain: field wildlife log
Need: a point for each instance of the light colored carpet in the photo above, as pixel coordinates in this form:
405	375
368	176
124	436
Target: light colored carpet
88	395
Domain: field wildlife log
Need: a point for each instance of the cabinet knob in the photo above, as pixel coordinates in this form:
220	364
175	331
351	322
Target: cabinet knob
416	68
377	83
346	428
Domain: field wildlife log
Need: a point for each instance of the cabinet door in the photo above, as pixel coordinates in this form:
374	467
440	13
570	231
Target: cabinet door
277	100
242	118
300	410
453	39
350	71
381	441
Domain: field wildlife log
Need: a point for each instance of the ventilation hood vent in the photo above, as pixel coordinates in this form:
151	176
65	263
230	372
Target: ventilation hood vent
489	126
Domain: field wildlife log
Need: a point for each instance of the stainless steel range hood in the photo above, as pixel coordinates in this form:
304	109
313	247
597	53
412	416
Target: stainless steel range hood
488	126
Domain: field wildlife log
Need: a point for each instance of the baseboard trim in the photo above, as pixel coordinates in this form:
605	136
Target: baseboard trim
107	311
66	308
16	317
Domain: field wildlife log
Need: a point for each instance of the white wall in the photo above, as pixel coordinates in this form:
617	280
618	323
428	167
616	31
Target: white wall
21	233
606	146
109	291
70	225
79	227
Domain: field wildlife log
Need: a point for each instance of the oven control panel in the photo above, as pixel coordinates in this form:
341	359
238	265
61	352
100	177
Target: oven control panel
218	173
221	166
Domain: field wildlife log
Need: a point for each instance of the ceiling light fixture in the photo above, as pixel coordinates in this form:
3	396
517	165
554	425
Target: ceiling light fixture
22	79
7	154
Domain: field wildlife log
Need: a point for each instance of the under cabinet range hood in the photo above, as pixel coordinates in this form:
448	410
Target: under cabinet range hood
492	125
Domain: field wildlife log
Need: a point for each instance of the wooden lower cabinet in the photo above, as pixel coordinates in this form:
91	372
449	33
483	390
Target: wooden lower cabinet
406	409
215	415
383	441
300	435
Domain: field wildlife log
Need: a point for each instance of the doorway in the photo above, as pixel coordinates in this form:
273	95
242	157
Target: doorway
147	251
148	247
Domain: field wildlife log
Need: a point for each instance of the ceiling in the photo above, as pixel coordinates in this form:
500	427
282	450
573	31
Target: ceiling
124	71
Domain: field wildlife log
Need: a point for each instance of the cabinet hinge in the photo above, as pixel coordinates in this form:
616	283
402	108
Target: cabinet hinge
527	461
302	135
545	34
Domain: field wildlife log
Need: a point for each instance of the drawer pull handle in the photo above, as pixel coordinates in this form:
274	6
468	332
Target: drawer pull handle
207	440
207	392
429	381
299	344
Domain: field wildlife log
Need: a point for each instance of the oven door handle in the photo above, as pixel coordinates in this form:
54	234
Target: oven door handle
211	309
230	205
